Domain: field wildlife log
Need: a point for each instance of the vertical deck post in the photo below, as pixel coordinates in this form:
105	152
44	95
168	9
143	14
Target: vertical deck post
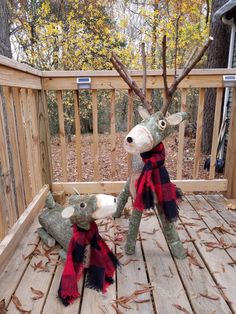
230	168
44	138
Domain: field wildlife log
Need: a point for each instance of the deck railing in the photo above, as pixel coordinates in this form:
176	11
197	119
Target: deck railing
62	82
25	158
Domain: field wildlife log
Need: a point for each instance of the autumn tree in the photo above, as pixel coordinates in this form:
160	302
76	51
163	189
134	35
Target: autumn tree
184	22
217	58
70	35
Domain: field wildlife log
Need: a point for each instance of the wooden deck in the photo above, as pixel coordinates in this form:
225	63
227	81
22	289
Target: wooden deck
205	282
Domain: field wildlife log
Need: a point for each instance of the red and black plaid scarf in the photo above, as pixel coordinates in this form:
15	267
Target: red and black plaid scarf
154	179
101	268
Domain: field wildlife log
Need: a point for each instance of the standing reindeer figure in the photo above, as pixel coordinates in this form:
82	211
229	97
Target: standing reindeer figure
149	184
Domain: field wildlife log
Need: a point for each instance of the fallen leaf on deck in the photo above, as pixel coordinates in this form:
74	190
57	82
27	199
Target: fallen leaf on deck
49	252
231	206
125	300
222	229
160	247
201	229
188	240
18	305
129	261
151	233
116	309
119	255
3	309
193	259
181	308
38	294
35	252
190	224
232	263
209	297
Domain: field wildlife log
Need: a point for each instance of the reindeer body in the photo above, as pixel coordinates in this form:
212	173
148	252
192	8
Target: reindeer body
143	138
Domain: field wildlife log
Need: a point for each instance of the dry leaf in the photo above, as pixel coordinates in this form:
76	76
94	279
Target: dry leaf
190	224
18	305
36	252
124	300
222	229
38	294
201	229
209	297
3	309
231	206
193	259
151	233
116	309
188	240
160	247
129	261
181	308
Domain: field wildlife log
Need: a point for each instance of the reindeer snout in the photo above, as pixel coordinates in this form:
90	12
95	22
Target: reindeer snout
129	139
138	140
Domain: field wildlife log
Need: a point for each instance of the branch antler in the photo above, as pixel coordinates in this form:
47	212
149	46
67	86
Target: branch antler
121	69
168	91
190	64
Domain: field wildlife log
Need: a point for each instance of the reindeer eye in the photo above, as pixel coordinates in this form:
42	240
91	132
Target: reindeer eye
82	205
162	124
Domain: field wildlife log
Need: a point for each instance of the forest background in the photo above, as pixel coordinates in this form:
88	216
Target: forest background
81	34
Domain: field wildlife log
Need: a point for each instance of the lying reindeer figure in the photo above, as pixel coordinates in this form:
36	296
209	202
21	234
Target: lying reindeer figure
56	221
149	184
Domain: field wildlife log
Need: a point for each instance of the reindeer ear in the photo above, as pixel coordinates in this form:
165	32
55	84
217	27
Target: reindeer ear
143	112
176	118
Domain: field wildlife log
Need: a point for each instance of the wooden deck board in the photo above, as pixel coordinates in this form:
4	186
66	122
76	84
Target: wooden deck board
11	276
217	259
197	280
163	274
176	282
36	279
133	267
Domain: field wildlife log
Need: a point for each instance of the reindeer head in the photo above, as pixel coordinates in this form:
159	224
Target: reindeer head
151	131
84	209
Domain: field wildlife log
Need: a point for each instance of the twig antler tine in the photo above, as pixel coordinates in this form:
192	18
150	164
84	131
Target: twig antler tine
121	69
164	74
144	69
188	67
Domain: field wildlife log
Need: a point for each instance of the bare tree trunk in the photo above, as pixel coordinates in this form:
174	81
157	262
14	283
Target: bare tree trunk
217	58
5	46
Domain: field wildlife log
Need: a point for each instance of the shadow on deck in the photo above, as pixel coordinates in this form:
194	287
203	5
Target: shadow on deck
205	282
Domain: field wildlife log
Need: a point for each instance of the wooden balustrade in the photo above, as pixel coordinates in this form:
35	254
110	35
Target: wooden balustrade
25	158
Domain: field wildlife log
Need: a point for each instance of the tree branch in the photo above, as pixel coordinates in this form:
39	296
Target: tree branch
188	67
121	69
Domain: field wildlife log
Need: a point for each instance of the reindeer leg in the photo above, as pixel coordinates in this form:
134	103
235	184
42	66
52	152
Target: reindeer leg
171	235
45	237
122	200
134	223
63	254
